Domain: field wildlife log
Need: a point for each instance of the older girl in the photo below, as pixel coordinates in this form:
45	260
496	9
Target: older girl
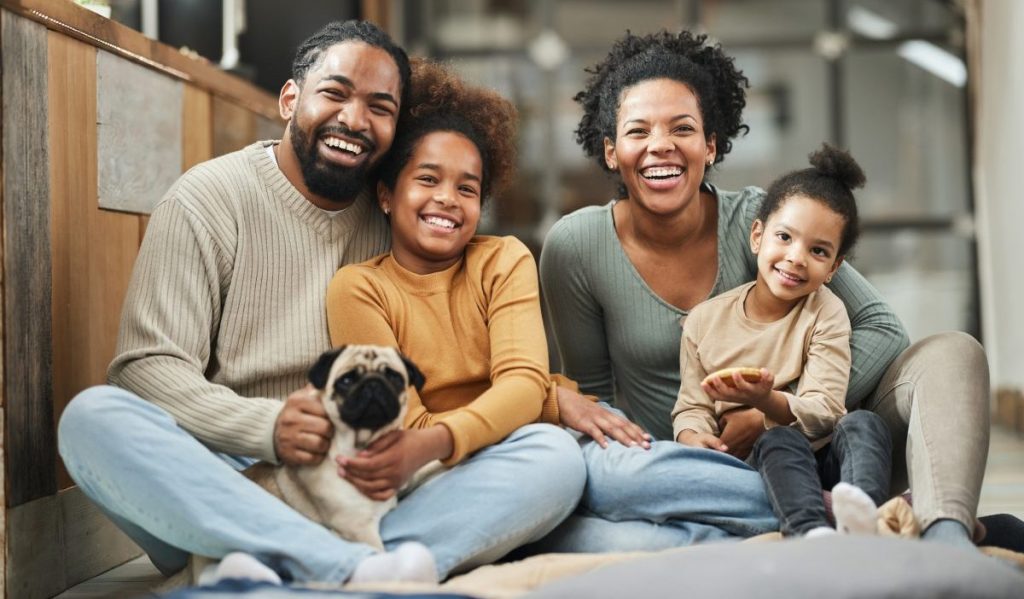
466	309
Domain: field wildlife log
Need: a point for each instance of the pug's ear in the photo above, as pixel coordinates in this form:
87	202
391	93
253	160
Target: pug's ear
322	369
415	376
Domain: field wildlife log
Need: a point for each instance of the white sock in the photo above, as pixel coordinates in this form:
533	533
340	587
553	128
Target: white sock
409	562
855	512
820	531
242	566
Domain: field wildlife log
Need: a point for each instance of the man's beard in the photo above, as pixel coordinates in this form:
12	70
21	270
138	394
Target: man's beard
330	181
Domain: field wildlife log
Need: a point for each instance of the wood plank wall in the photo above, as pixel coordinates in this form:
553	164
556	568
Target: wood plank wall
67	264
30	443
93	250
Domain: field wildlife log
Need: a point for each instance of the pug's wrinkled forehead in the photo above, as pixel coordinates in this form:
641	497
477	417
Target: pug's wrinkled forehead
366	359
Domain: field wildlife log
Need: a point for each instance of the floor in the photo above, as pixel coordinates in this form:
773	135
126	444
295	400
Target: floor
1003	492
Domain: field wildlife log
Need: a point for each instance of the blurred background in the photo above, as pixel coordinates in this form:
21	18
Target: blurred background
885	79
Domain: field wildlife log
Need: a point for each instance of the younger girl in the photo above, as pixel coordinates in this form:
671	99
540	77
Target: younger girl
796	334
466	310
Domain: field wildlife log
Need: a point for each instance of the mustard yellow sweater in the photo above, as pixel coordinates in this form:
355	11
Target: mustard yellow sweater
475	331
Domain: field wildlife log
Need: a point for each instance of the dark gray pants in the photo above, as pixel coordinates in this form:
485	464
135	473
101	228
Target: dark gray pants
794	475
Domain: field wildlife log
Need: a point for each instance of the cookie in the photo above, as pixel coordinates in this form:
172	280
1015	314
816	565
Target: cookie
751	375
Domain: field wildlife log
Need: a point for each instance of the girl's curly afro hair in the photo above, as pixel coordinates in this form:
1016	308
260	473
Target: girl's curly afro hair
440	101
711	74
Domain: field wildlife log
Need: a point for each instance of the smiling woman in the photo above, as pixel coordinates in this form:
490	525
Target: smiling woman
620	278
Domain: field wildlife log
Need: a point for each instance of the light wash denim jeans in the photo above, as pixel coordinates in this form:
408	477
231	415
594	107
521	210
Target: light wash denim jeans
669	496
174	496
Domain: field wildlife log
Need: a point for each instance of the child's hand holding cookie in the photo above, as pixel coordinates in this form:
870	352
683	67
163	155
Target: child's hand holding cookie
747	386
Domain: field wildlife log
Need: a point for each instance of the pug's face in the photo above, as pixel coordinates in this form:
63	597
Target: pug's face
366	383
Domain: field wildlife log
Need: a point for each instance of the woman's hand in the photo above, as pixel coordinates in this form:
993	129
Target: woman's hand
581	414
381	469
741	428
705	440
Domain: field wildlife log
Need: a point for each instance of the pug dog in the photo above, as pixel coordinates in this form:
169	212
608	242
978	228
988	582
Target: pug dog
363	389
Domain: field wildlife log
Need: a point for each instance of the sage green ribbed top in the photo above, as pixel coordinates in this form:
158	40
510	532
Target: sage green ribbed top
226	310
620	341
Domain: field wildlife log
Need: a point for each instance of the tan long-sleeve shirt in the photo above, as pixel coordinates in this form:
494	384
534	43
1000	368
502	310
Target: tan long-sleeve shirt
810	346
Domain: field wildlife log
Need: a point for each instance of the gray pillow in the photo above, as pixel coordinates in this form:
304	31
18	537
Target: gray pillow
833	567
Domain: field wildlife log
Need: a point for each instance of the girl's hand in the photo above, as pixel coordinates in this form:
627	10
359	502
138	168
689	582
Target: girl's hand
705	440
753	394
581	414
741	428
381	469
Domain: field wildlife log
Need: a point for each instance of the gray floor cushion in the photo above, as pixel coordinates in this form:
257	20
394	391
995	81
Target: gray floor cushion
836	567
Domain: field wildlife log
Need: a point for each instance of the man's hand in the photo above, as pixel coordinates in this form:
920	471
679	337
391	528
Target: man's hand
302	433
741	428
705	440
753	394
581	414
381	469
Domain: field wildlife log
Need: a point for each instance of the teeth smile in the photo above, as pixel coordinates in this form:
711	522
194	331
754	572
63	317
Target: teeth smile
439	222
786	275
341	144
661	172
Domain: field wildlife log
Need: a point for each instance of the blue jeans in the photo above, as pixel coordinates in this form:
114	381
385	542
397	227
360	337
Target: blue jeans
794	474
173	496
669	496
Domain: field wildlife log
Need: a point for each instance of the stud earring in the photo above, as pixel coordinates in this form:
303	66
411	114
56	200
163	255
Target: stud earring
828	279
387	212
710	162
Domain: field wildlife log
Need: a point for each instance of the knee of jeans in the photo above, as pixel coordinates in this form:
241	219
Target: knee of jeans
556	450
91	413
866	426
781	437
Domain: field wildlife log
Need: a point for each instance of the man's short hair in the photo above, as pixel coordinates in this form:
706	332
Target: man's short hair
336	32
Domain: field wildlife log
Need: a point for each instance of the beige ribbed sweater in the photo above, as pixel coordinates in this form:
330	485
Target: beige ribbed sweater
226	311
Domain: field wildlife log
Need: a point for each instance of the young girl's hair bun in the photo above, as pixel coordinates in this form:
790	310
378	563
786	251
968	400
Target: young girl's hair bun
837	164
831	179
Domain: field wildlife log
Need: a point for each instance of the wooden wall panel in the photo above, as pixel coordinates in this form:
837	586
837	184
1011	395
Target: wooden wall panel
196	127
233	126
93	249
30	439
35	557
139	134
60	541
92	544
4	559
269	128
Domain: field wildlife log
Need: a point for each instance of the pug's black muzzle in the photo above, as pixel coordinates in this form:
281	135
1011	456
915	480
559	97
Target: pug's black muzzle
370	403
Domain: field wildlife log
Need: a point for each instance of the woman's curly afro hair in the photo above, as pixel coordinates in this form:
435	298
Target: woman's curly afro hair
831	179
440	101
711	74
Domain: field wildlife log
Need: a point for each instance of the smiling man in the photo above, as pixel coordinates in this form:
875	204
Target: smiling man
224	316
